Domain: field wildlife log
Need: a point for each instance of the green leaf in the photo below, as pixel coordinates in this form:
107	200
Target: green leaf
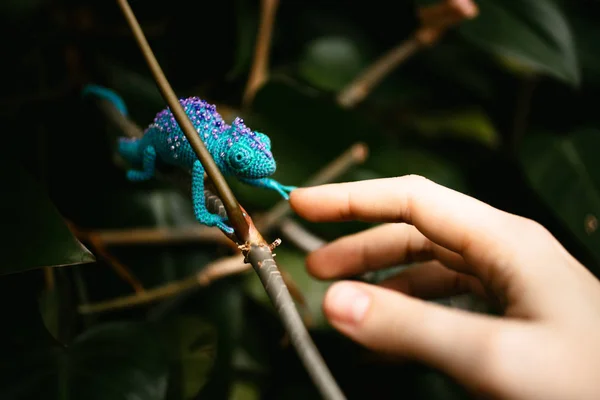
245	390
192	343
587	33
565	173
33	233
49	308
533	34
222	305
112	361
406	159
331	62
470	123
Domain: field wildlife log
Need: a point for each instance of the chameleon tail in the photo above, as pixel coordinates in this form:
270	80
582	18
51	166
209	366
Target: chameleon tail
105	94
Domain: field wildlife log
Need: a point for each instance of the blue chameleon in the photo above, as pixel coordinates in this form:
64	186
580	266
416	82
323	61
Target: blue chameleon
237	150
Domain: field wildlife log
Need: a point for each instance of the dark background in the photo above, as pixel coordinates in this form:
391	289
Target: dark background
503	108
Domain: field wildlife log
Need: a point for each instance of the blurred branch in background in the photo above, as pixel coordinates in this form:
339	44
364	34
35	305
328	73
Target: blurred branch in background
435	20
99	247
259	70
216	270
300	237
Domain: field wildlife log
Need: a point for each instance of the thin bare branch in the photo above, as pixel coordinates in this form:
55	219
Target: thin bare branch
435	20
219	269
253	246
159	235
300	237
358	89
260	65
99	248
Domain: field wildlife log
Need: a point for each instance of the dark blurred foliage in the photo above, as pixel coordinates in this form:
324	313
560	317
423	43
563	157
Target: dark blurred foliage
503	108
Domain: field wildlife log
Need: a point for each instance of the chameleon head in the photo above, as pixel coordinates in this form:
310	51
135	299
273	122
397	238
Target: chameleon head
249	154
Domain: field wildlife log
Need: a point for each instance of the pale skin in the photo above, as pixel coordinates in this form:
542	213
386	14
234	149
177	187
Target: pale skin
545	346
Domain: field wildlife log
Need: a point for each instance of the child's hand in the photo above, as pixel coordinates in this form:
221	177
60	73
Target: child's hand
546	347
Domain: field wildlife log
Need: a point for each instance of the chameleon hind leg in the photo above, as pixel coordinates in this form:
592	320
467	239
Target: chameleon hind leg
202	214
148	166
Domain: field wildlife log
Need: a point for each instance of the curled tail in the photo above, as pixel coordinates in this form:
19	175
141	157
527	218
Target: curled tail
106	94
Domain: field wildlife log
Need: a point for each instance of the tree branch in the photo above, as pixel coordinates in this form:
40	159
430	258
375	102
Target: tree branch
213	271
234	211
99	247
300	237
260	64
435	21
262	259
359	88
254	247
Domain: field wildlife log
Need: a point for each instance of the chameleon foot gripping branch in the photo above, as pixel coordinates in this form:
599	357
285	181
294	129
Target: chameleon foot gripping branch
164	141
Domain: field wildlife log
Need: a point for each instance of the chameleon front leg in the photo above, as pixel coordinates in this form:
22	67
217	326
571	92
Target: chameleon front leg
148	166
272	184
202	214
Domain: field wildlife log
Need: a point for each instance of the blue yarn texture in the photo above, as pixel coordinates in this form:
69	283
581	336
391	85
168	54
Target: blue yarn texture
237	150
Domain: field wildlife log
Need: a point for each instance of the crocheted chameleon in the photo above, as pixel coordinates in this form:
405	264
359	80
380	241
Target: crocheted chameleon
237	150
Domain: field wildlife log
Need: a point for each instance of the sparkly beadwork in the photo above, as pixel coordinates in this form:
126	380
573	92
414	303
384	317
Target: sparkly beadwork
237	150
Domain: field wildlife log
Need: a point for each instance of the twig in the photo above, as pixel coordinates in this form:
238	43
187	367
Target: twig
100	249
300	237
359	88
49	280
253	246
356	154
435	20
158	235
212	272
259	70
234	211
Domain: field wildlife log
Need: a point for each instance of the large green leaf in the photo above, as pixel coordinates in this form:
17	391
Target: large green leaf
469	123
113	361
33	233
565	173
531	33
586	32
191	343
331	62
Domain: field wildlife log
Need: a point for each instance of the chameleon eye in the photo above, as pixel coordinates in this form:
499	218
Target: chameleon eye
239	158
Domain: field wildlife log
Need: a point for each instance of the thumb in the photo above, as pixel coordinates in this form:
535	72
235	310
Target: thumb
454	341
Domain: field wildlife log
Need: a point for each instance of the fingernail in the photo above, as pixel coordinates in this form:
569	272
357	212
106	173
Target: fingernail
346	303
